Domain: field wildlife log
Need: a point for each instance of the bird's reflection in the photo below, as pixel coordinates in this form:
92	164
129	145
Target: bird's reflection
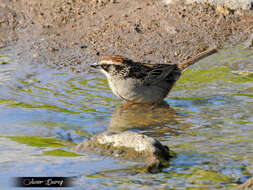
159	120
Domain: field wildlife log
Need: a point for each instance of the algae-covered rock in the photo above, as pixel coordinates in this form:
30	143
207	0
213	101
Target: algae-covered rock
129	145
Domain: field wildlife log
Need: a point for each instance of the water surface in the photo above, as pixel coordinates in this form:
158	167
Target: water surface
208	123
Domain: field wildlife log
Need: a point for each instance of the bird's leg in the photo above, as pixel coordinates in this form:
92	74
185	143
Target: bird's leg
154	105
128	104
158	104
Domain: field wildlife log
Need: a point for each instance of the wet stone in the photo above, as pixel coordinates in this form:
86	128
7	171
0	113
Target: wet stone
249	42
248	185
130	146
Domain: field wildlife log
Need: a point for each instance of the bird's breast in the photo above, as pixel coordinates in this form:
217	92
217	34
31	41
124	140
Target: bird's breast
134	90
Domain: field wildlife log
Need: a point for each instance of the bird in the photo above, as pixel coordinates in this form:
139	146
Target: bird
137	82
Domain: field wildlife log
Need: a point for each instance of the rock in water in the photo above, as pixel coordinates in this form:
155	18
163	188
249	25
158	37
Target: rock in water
248	185
129	145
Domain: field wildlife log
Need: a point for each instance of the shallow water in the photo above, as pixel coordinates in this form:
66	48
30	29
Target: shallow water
208	124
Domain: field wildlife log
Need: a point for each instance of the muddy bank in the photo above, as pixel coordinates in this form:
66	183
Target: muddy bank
70	33
232	4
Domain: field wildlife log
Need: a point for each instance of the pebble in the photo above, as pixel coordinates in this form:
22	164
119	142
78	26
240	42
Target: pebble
52	49
1	45
223	10
83	46
36	55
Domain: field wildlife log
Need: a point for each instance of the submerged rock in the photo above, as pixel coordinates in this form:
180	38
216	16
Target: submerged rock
129	145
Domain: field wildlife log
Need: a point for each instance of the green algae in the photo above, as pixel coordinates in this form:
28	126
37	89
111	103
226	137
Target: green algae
82	133
248	95
65	126
52	124
196	78
243	73
239	140
209	175
238	157
4	62
203	179
173	154
39	105
44	89
62	153
242	122
191	98
182	146
40	141
46	142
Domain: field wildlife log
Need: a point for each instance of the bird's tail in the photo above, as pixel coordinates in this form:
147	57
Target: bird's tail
196	58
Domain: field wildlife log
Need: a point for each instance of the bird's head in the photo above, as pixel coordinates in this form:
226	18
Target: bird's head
109	64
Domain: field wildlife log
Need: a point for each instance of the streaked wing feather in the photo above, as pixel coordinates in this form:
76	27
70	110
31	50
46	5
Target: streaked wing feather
158	73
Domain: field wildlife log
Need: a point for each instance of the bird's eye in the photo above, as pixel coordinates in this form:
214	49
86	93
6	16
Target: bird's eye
105	67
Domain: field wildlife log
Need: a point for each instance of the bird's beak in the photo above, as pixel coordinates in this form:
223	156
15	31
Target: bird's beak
95	65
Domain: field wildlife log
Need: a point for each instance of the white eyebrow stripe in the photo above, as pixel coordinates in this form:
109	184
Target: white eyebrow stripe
110	62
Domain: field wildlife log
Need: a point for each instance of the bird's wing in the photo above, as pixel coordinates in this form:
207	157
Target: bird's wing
160	72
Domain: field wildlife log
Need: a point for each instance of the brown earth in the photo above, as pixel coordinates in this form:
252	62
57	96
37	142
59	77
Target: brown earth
70	33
